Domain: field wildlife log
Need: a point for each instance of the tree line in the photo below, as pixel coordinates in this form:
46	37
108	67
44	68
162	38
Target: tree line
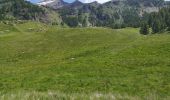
157	22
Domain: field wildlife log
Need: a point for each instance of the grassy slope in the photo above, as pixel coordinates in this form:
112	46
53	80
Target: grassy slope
35	57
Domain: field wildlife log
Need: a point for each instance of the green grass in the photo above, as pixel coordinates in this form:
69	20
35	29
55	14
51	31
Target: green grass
80	62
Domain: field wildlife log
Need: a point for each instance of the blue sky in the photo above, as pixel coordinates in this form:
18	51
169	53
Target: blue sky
35	1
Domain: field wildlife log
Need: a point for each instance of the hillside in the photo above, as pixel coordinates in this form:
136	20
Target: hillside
114	14
23	10
40	61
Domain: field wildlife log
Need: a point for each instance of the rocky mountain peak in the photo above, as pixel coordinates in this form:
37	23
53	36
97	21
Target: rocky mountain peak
55	4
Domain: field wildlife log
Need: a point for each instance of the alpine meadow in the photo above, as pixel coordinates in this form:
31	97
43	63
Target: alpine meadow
55	50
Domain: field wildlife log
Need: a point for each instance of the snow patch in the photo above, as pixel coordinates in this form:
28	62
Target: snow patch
43	3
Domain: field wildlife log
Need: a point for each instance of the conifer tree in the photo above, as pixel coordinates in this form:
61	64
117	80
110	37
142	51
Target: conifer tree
144	29
156	27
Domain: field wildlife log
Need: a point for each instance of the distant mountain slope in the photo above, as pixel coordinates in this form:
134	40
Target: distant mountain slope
147	3
24	10
115	13
20	9
138	3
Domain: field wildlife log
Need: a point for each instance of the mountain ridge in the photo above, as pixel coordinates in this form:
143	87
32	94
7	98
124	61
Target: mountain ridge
115	13
55	4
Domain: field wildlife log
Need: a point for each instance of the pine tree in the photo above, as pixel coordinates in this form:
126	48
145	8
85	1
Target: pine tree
168	21
144	29
85	22
156	27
